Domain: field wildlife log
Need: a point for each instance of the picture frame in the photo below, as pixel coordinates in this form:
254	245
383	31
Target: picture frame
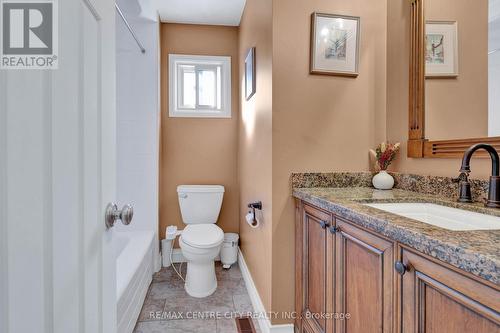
441	49
250	79
334	44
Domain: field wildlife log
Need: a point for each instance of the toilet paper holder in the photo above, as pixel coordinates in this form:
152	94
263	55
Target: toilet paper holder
255	205
251	217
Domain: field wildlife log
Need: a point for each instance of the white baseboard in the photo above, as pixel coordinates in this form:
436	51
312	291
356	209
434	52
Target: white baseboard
264	323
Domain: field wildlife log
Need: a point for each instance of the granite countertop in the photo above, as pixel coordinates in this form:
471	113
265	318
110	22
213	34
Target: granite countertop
476	252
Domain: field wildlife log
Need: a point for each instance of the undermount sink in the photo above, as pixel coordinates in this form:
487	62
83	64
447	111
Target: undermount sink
441	216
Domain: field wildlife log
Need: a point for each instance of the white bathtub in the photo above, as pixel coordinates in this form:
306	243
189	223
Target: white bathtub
134	271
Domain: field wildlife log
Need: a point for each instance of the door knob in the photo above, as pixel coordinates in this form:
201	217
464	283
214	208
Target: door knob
324	224
113	214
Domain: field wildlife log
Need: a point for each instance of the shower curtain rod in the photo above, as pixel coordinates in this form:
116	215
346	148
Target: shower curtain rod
143	50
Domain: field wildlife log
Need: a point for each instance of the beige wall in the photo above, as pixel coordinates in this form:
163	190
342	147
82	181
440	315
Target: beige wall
320	123
198	150
255	144
458	107
398	30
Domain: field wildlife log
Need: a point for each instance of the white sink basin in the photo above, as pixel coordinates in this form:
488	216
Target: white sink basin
441	216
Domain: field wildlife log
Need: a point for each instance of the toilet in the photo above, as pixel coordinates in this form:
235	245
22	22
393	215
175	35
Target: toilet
201	239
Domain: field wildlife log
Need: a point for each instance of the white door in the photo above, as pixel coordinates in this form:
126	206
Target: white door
57	174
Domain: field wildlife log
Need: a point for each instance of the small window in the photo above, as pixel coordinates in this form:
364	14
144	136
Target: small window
200	86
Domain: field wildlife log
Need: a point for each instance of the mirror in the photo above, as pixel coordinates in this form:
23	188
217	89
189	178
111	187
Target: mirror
454	76
462	68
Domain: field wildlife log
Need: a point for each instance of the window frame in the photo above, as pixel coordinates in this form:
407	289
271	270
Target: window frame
175	83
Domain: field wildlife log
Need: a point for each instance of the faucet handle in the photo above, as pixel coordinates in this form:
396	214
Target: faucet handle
464	191
464	176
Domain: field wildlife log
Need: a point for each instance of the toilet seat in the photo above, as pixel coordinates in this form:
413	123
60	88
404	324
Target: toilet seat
202	236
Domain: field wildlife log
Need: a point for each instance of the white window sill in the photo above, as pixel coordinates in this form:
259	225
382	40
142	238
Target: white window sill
199	114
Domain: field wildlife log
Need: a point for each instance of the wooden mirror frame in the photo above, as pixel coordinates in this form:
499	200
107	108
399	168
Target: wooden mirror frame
418	145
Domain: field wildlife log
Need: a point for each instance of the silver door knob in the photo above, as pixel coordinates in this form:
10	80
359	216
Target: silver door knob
113	214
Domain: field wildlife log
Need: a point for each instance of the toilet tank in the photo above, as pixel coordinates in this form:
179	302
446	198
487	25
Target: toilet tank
200	203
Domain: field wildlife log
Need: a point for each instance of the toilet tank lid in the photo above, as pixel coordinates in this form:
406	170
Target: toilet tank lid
200	189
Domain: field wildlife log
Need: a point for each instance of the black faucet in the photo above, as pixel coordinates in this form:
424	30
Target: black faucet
493	200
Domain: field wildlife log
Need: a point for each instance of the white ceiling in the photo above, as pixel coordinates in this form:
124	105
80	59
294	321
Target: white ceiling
213	12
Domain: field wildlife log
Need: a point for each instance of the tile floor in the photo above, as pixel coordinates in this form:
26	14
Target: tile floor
168	308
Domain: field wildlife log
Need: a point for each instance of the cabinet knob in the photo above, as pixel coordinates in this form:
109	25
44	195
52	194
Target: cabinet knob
400	268
334	229
323	224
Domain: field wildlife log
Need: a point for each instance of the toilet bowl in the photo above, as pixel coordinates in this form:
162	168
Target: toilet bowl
200	245
201	239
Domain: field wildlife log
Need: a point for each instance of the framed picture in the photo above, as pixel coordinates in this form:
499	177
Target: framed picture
441	49
334	44
250	83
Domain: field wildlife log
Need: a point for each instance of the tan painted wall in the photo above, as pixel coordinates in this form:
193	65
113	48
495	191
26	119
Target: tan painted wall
398	30
197	150
320	123
255	144
458	107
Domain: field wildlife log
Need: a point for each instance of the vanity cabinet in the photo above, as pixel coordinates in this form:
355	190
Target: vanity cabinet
438	299
342	268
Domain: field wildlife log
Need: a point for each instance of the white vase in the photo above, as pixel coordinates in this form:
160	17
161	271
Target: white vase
383	181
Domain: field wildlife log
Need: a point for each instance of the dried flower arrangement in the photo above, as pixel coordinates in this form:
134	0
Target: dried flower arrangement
385	153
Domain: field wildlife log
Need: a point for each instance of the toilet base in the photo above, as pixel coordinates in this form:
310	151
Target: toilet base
200	279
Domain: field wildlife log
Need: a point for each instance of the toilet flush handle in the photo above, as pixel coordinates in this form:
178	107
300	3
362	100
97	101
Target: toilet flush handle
183	195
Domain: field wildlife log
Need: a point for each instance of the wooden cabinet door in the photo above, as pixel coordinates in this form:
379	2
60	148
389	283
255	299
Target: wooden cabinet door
315	279
437	299
365	281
